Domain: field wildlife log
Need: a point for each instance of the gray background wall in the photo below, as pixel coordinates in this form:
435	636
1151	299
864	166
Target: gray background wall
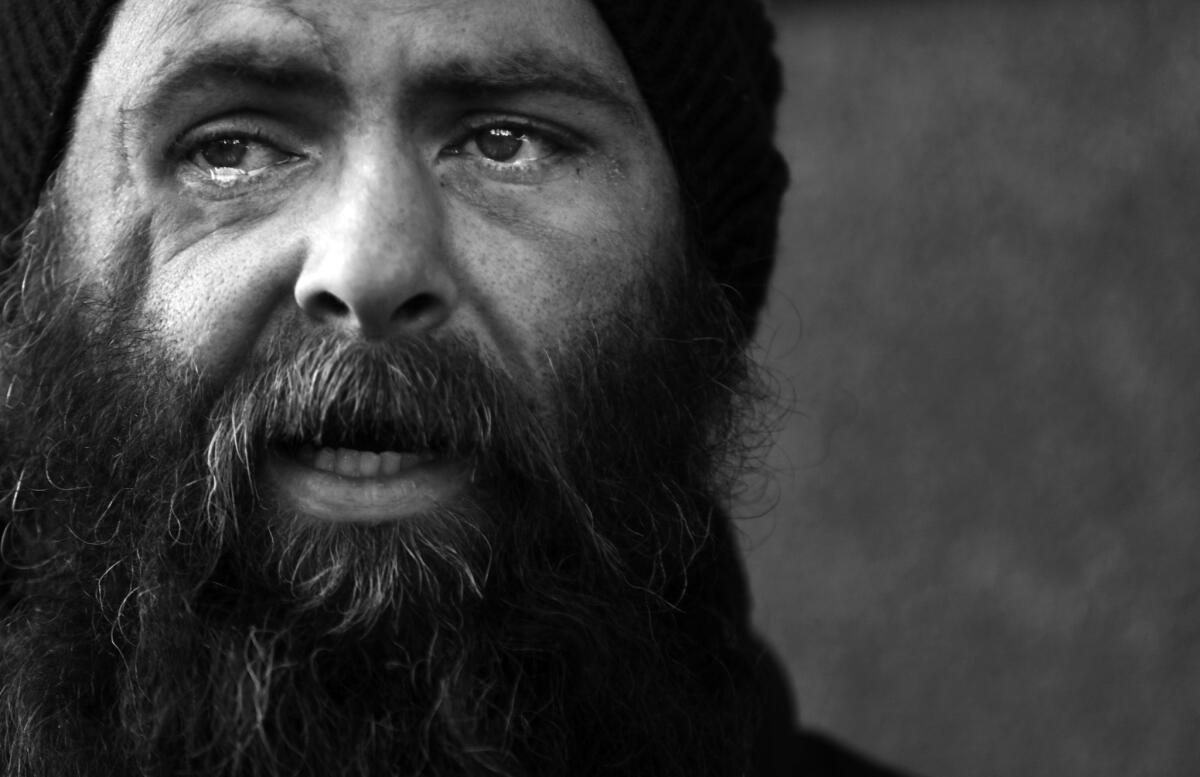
979	549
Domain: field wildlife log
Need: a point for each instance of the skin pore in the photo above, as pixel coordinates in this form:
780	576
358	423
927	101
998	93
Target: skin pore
445	232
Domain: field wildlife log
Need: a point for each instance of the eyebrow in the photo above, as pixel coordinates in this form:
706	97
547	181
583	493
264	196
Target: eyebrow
268	68
526	71
245	64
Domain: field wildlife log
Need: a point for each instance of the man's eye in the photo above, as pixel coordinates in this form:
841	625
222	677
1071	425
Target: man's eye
510	145
234	156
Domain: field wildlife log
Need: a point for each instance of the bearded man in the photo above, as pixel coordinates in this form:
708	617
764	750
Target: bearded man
375	383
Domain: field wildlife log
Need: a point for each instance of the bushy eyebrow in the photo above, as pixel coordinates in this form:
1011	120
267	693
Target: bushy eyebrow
528	71
245	64
249	63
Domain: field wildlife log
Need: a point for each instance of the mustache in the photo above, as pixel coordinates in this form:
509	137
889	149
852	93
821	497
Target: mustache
427	396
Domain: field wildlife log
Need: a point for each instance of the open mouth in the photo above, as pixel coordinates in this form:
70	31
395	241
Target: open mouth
354	463
360	485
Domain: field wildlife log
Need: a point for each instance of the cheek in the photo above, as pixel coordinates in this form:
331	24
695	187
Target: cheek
211	294
551	269
203	286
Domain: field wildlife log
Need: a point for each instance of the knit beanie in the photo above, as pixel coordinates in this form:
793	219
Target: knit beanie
704	67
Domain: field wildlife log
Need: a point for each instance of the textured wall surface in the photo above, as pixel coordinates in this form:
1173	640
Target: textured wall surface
983	555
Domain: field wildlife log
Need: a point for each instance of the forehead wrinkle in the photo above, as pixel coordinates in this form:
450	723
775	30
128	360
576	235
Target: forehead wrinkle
331	52
205	13
282	39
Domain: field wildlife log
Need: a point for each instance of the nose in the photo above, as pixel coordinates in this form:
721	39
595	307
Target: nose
376	262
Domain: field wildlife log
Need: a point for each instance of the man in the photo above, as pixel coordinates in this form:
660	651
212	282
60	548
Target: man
374	385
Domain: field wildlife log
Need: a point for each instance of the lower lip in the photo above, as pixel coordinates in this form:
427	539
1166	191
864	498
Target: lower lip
415	490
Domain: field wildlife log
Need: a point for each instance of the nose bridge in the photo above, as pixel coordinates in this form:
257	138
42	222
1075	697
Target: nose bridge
384	198
375	262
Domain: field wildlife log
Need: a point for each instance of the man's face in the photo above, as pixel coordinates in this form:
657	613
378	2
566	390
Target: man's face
375	170
365	416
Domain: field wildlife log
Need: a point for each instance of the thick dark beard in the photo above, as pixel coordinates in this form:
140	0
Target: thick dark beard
576	613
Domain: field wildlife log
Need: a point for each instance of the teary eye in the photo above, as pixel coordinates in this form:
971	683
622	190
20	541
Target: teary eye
237	153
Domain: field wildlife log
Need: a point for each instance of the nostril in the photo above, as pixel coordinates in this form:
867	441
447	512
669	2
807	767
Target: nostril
415	307
327	303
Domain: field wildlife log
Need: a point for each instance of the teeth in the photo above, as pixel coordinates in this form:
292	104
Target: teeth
326	459
346	462
368	464
390	464
350	463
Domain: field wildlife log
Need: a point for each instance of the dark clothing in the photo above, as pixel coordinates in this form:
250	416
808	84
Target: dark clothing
818	756
781	751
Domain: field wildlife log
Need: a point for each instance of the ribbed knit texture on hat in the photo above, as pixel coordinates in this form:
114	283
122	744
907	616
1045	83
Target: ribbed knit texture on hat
708	72
705	68
46	47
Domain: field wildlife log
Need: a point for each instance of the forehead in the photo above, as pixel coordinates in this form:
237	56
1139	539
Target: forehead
371	43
